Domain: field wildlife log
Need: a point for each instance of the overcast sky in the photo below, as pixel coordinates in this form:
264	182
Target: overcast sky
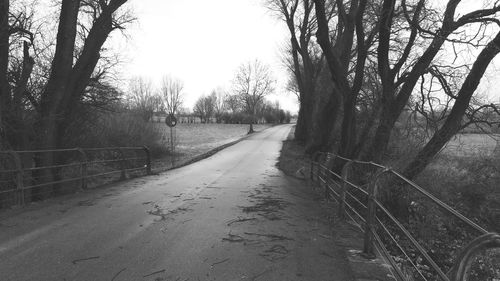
202	43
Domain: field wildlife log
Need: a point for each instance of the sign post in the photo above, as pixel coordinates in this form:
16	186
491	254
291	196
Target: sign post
171	121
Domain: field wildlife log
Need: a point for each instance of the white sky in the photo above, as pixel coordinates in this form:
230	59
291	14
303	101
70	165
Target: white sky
202	42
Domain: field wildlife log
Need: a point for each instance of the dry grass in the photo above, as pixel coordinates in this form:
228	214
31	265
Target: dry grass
465	174
198	138
293	160
472	145
192	140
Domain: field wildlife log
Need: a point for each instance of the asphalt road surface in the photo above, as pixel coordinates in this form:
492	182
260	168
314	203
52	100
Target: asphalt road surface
233	216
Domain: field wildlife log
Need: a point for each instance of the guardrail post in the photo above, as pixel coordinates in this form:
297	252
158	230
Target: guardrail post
328	175
148	160
343	189
368	247
123	175
83	167
19	175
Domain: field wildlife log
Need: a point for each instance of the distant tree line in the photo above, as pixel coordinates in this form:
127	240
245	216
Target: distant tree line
144	100
245	103
219	107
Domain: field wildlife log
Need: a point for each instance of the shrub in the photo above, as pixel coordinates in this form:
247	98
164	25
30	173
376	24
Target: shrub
112	129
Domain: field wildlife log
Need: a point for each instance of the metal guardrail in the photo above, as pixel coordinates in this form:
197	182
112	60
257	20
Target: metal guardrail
21	176
360	202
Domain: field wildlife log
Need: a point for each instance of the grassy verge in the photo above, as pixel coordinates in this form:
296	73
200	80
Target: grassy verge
194	142
293	160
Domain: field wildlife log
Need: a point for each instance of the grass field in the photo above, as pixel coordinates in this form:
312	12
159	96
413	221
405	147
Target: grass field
195	139
472	145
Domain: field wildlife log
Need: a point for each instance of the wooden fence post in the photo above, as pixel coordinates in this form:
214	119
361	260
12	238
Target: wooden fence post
19	175
83	167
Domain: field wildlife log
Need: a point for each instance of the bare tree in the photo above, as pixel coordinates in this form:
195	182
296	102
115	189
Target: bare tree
199	109
220	97
454	121
233	103
69	77
204	108
409	37
143	99
305	64
353	34
50	79
400	69
209	105
172	92
253	82
16	66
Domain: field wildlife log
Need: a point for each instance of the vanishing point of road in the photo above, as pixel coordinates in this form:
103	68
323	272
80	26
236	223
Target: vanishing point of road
233	216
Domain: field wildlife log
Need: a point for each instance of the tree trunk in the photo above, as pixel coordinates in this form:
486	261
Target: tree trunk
304	121
376	150
304	73
348	131
19	133
54	93
252	120
300	127
365	133
303	128
453	121
323	124
338	63
4	65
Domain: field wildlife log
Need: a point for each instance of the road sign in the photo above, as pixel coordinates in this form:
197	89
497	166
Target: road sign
170	120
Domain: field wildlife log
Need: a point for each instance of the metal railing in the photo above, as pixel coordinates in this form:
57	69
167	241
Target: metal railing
359	196
23	177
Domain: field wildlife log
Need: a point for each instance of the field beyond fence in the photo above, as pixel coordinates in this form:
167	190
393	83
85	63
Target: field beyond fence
193	139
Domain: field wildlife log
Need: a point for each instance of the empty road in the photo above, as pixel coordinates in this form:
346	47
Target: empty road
233	216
